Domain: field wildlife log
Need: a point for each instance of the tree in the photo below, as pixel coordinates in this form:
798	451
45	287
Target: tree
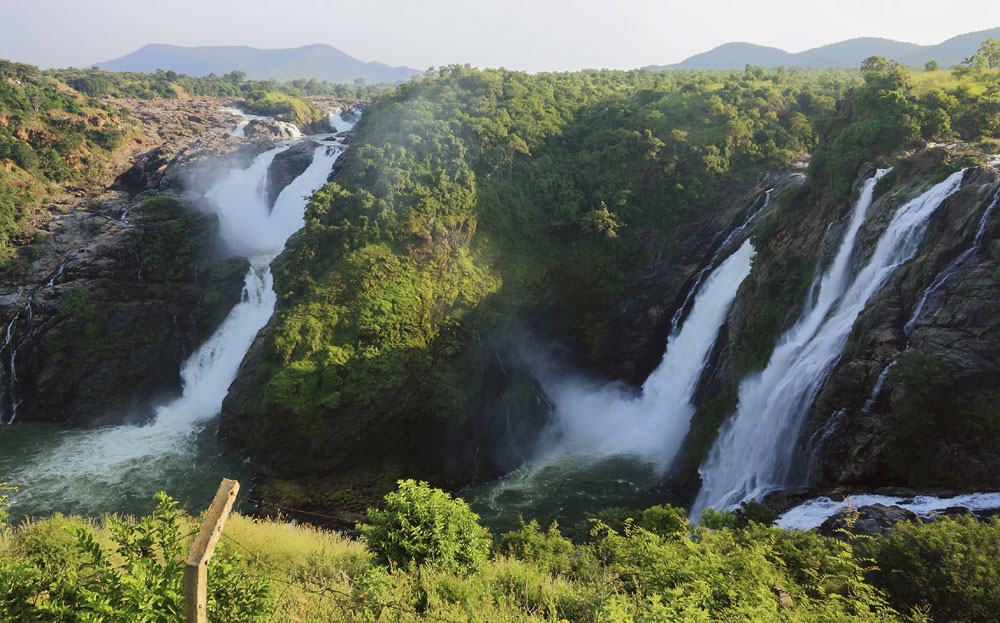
874	66
990	52
931	66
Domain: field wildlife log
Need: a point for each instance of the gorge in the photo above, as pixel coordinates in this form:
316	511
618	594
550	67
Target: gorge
552	293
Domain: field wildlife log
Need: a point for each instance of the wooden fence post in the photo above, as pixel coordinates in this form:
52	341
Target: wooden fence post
196	566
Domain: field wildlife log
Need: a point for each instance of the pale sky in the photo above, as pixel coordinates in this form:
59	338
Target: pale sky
532	35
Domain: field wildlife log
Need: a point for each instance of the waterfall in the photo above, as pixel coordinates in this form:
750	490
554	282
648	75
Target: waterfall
754	451
338	123
93	470
606	445
759	205
59	271
608	421
949	270
8	386
935	285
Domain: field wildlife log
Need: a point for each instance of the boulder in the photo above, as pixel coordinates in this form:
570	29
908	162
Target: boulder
873	519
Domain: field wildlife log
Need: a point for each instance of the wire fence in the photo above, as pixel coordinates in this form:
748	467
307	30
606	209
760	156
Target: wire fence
341	519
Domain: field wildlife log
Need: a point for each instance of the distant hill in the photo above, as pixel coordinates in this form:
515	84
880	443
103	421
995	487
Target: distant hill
323	62
848	53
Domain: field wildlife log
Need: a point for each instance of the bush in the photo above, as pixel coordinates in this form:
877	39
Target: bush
948	567
549	549
423	524
4	504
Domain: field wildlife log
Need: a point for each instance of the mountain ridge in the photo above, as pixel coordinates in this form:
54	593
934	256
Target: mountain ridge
846	53
318	60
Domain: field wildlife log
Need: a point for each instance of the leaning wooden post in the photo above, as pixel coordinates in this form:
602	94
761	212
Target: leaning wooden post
196	567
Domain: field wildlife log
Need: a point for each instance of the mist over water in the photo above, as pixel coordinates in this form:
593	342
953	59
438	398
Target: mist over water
608	446
119	468
608	420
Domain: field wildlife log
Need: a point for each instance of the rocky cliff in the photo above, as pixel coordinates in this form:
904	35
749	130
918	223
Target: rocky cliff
119	285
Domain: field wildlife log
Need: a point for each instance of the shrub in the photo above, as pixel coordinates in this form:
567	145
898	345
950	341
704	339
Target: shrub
424	524
4	504
716	520
549	549
62	578
753	512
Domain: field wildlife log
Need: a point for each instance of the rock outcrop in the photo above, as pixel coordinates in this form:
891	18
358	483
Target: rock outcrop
287	166
131	296
928	424
271	129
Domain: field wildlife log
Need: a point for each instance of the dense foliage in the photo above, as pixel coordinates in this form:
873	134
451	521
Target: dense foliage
61	571
284	107
655	567
48	135
897	108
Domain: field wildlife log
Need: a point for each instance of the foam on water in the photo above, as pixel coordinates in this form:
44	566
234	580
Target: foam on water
814	512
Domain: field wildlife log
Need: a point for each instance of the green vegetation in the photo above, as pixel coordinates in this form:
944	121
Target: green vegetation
49	135
123	572
897	108
420	525
931	410
284	107
69	569
943	568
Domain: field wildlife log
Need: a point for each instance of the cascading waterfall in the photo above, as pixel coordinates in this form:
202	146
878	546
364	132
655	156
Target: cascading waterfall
608	421
338	123
606	446
941	278
755	448
949	270
8	385
91	471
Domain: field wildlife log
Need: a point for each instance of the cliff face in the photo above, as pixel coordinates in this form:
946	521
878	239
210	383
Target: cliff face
932	422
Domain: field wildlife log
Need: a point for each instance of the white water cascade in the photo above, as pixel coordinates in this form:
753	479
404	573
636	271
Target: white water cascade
92	470
759	206
754	451
608	421
812	513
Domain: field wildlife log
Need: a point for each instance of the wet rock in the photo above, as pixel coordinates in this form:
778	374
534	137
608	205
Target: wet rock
115	313
876	519
270	129
956	330
287	166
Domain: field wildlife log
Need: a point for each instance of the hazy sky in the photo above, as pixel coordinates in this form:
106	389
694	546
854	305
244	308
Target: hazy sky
533	35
